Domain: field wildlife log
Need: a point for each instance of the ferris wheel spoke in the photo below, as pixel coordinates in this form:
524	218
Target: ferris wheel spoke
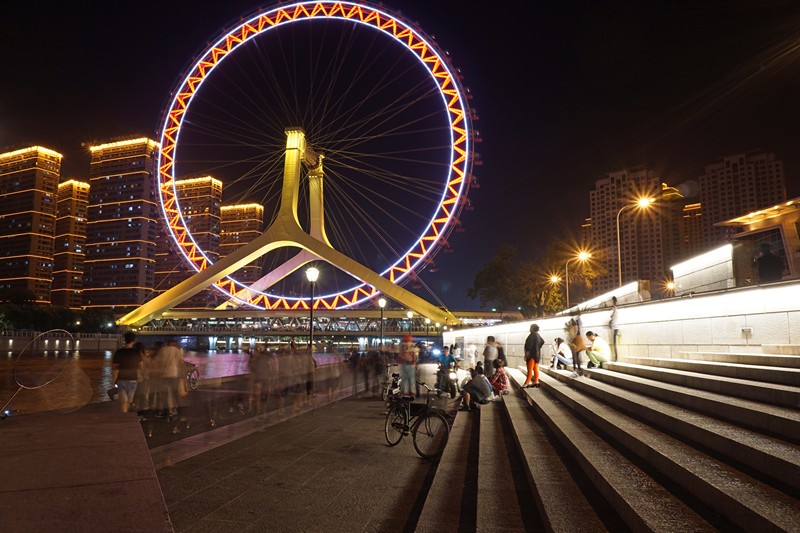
377	101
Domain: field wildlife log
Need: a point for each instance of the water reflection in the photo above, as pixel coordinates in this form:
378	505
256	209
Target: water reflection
85	377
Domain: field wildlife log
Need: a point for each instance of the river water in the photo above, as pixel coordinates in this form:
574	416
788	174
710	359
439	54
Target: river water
69	380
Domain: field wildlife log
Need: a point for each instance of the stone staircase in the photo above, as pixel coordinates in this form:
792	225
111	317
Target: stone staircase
699	442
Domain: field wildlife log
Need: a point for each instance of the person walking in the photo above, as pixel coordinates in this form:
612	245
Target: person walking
577	345
533	354
489	352
127	362
168	366
408	366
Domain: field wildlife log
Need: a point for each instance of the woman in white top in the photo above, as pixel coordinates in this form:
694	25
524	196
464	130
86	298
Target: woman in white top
562	355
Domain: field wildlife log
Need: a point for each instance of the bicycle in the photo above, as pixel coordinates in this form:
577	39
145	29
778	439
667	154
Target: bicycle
428	426
390	384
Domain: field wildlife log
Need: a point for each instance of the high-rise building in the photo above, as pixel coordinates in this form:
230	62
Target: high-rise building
690	229
28	193
241	224
123	225
199	200
70	240
613	211
738	184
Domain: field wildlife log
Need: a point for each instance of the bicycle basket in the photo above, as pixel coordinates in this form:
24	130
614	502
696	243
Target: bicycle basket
437	402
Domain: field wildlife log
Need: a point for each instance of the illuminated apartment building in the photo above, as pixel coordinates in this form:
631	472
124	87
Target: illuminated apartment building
199	200
28	193
123	225
738	184
241	224
691	231
640	230
70	240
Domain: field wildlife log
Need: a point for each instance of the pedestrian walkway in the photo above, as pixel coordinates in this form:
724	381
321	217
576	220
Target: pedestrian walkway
329	470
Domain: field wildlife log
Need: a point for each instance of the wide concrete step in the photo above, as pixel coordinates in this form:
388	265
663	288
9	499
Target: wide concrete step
761	359
498	506
772	459
641	502
777	421
448	491
743	501
774	394
551	482
752	372
781	349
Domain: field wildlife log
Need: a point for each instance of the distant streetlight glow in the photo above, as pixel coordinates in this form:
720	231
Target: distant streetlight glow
382	304
312	274
641	203
581	256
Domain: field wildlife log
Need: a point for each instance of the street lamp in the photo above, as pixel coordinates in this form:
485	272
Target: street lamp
312	273
582	256
382	304
641	203
410	315
427	330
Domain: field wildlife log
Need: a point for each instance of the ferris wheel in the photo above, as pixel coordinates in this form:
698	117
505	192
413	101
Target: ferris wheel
374	96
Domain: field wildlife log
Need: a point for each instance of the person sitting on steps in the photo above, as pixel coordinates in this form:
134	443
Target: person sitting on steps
499	379
477	391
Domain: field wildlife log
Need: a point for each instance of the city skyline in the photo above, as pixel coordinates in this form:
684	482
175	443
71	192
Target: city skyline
552	87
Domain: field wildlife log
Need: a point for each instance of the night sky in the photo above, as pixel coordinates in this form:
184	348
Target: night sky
565	91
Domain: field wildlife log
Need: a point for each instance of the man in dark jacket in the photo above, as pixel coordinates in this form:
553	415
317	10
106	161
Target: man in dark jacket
533	354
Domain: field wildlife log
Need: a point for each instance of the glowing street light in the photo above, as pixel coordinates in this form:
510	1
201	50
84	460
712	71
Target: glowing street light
410	315
427	329
641	203
312	273
382	304
582	256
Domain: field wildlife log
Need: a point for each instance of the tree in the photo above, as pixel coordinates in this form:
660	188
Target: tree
539	295
495	282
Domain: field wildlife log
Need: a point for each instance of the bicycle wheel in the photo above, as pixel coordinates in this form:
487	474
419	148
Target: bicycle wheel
430	435
385	391
396	422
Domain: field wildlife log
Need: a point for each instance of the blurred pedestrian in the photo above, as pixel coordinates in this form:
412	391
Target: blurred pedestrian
169	369
489	352
127	361
408	362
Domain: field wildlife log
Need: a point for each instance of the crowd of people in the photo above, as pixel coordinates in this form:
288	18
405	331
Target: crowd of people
151	381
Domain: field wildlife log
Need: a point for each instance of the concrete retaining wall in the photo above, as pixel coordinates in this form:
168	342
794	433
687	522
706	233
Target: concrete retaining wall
734	320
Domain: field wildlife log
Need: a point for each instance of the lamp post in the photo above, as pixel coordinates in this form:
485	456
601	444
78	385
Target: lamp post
427	330
382	304
582	256
641	203
410	315
312	273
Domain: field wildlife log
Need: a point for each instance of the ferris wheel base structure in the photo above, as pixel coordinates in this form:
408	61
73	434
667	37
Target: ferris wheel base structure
285	232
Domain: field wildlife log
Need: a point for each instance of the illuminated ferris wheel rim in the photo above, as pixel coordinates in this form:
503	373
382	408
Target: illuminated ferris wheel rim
414	41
